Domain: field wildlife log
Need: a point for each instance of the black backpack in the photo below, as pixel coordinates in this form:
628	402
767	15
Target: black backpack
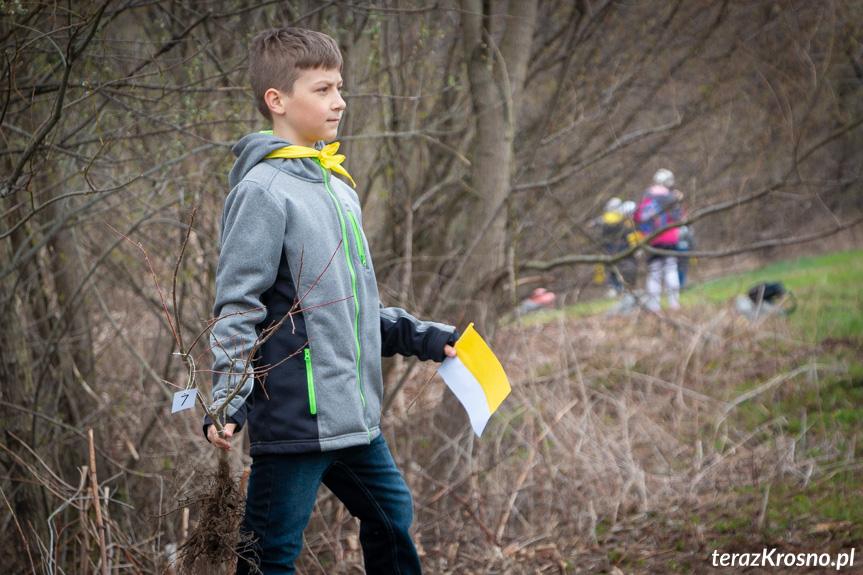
772	292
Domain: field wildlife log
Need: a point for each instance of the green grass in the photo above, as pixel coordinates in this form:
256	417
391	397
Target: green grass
829	308
832	408
821	415
828	505
827	288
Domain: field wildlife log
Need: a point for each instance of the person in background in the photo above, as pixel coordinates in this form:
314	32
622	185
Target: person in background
615	228
685	243
628	267
659	208
540	298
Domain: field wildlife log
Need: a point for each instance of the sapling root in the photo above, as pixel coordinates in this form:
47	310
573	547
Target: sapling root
216	540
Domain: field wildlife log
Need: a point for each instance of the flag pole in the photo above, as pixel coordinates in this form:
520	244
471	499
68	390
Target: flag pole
419	393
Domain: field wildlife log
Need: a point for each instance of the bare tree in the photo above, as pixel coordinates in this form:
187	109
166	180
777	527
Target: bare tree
497	46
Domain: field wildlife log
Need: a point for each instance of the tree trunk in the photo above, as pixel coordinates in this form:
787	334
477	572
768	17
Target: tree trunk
496	81
496	74
16	372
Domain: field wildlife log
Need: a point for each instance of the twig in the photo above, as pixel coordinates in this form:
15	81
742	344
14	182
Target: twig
184	525
106	518
82	518
678	399
155	280
135	564
419	393
765	497
100	526
527	466
20	531
211	322
132	562
71	429
174	281
777	380
145	365
671	386
262	338
56	489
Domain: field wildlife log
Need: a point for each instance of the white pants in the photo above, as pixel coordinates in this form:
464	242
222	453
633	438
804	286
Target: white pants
659	269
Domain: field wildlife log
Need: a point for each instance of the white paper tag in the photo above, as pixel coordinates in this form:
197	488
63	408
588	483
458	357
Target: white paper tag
183	400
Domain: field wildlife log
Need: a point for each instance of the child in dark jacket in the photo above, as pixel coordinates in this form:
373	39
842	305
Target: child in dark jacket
292	232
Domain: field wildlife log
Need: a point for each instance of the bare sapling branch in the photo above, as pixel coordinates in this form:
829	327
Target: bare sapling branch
155	280
259	372
242	365
216	538
176	272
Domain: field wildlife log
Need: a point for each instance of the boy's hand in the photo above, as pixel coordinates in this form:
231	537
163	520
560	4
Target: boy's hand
450	351
217	440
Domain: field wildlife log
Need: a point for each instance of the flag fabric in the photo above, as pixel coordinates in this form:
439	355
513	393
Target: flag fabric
476	377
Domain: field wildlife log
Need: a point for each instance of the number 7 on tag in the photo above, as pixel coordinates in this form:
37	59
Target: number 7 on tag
183	400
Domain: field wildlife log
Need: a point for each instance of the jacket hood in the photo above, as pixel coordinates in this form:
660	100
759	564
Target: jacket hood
251	149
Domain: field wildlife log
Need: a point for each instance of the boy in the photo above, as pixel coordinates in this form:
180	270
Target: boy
291	232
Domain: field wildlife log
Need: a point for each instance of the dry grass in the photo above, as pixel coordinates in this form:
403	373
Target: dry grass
613	423
626	443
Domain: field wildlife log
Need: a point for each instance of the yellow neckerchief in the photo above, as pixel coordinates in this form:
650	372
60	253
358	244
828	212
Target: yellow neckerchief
612	218
327	157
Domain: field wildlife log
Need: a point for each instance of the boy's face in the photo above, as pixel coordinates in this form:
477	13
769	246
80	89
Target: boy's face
312	111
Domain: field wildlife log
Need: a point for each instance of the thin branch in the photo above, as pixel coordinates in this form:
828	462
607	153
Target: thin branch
526	469
174	282
132	349
56	422
611	259
61	223
100	525
20	531
155	281
779	379
763	244
56	114
619	144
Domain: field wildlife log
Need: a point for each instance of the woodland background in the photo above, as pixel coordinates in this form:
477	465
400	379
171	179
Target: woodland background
483	136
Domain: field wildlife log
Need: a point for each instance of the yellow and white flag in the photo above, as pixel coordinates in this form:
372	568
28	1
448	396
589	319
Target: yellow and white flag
476	377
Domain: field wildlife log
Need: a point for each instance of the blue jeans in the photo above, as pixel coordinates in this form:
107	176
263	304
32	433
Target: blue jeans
282	493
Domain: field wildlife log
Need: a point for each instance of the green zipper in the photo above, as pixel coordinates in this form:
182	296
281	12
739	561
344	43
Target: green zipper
353	279
358	237
310	380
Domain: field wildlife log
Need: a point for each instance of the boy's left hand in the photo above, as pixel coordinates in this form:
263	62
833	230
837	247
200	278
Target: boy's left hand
219	441
450	351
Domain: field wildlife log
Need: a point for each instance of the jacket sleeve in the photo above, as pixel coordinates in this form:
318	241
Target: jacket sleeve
404	334
253	231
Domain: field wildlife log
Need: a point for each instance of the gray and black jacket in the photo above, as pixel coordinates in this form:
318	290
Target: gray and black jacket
291	232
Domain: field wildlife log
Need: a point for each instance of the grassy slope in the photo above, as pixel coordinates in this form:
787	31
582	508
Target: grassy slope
631	479
828	289
820	513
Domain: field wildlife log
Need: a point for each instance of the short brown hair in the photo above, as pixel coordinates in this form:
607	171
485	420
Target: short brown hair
277	56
